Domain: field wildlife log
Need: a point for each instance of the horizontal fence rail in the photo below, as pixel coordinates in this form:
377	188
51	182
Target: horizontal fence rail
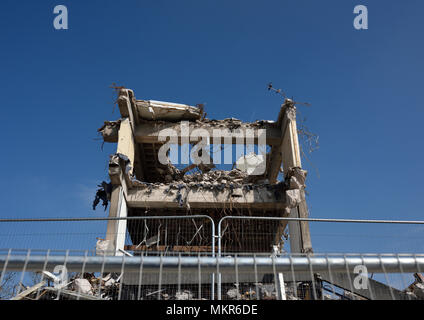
374	263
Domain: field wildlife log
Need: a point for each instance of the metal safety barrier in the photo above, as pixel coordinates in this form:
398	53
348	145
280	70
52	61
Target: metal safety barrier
175	257
243	277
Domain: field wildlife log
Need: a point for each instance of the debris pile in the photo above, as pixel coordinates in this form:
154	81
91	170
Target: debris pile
235	176
161	110
228	123
236	181
84	286
416	289
232	124
184	295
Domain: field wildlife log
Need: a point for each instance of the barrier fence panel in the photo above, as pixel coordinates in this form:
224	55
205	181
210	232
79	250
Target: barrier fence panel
320	277
177	236
102	237
269	236
78	234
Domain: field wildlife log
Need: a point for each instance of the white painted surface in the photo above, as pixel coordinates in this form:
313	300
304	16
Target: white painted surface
121	228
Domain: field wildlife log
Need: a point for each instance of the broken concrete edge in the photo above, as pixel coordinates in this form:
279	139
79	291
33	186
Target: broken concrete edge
161	110
110	131
196	198
147	131
73	295
182	193
136	110
287	111
124	95
295	178
29	291
287	191
155	110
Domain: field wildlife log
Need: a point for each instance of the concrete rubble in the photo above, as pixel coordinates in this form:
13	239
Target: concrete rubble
256	291
85	286
416	289
215	177
160	110
237	181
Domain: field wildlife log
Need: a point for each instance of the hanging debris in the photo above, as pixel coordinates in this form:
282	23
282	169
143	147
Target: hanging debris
109	131
103	193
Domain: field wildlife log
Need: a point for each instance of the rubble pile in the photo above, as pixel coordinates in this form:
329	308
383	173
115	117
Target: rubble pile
218	180
235	176
257	291
86	286
295	179
168	293
228	123
105	287
416	289
231	124
212	179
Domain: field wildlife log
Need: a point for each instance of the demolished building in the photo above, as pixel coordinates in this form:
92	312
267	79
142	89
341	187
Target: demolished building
143	185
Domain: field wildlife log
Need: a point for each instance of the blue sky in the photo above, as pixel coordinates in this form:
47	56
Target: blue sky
365	88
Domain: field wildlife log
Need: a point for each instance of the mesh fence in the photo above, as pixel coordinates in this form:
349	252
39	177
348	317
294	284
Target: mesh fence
90	237
53	234
67	275
167	234
244	234
185	258
247	235
163	237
